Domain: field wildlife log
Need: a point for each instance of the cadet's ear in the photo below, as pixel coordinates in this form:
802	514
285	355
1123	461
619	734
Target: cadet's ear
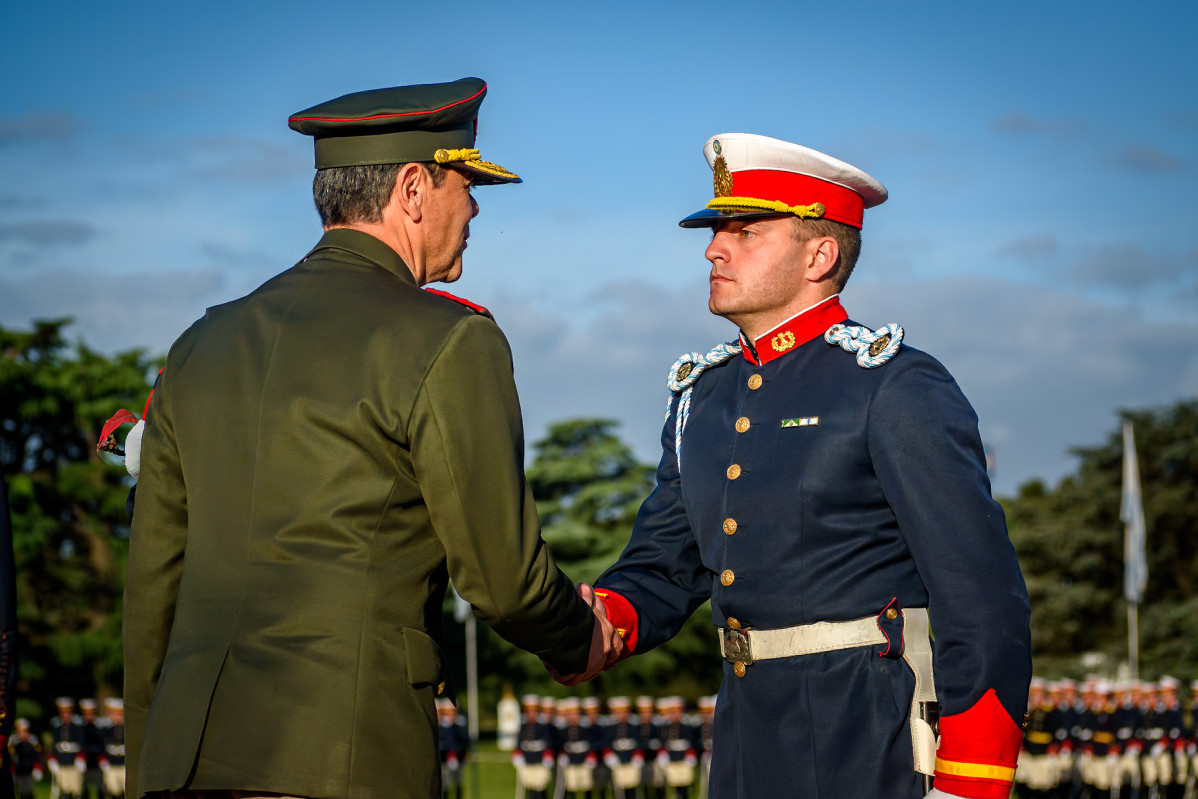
822	255
408	195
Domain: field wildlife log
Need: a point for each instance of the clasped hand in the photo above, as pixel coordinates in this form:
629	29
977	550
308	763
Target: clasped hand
607	647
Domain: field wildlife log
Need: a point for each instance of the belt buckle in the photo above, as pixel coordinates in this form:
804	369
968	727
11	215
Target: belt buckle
737	648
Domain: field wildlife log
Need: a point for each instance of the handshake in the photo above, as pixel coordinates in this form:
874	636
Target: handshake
607	646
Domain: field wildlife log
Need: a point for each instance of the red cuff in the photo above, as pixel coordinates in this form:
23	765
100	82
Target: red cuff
621	614
978	751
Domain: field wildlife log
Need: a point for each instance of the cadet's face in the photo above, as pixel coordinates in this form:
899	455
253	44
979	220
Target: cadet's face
755	268
449	212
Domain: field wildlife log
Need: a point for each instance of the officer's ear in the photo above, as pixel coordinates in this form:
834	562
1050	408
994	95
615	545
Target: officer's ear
411	190
821	255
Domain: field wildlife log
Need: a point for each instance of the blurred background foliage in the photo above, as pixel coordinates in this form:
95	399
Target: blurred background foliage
70	532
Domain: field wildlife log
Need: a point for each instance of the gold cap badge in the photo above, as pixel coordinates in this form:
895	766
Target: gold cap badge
722	178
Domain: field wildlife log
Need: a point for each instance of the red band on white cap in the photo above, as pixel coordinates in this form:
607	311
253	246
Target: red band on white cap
840	204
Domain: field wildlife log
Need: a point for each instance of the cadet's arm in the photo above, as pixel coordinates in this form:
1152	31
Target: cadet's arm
927	453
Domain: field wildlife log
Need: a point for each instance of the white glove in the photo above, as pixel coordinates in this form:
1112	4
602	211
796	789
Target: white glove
133	449
939	794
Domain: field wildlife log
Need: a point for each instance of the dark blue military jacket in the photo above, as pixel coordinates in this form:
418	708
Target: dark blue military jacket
852	487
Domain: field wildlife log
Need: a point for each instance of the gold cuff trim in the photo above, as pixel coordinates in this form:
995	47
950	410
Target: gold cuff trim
813	211
977	771
445	156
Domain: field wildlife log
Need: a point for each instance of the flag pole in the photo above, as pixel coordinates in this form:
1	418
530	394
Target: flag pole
1133	640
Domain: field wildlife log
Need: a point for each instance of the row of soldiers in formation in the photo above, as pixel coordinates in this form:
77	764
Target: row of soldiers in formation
1120	740
571	748
83	752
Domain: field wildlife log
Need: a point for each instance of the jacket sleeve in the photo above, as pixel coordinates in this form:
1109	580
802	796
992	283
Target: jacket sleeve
467	444
926	451
156	544
659	580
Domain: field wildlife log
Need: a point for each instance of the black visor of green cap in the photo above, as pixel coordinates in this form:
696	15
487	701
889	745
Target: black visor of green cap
432	122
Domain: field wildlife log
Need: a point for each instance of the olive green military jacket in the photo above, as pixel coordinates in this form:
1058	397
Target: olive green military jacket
320	457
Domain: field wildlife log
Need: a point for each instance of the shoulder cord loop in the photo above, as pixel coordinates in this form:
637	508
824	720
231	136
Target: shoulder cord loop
873	347
682	377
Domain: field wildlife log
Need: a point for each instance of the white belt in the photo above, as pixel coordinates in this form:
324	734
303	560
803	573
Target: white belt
748	646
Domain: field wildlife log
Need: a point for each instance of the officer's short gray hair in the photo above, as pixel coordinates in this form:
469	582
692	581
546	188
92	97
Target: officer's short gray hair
848	238
346	195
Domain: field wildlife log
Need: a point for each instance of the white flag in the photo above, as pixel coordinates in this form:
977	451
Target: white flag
1135	567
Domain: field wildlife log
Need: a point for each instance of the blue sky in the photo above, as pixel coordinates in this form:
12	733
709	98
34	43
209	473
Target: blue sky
1040	160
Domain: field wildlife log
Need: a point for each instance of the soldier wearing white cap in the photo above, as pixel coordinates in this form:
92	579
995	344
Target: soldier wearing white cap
622	752
93	749
114	747
26	754
679	752
577	753
535	748
66	760
1165	759
706	728
453	743
824	486
650	742
1038	773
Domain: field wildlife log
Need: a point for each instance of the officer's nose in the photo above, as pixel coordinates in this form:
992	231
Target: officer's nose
718	249
473	207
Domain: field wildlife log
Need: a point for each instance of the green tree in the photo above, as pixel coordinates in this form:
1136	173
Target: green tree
70	526
1070	544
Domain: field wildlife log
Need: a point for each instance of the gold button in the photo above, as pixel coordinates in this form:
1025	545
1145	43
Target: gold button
729	526
734	471
742	424
726	577
733	623
738	668
440	688
755	382
892	614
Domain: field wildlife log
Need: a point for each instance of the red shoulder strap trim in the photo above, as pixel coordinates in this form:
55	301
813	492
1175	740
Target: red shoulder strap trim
478	309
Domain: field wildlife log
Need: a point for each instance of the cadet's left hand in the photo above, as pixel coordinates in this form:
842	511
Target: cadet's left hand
607	647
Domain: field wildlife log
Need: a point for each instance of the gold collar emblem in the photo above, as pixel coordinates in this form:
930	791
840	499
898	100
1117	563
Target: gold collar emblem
783	341
722	178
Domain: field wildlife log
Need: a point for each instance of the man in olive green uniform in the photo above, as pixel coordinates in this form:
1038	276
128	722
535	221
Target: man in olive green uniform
320	458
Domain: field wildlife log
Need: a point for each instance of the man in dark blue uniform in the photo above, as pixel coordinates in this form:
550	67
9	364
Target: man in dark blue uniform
66	760
453	743
622	752
829	501
535	750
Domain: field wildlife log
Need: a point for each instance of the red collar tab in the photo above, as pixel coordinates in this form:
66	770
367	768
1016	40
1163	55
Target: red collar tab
840	204
478	309
794	332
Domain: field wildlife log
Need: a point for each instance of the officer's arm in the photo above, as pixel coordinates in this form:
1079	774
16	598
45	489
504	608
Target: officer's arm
156	546
659	580
467	442
927	454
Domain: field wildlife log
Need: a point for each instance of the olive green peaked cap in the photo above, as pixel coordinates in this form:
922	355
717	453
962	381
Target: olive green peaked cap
429	122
